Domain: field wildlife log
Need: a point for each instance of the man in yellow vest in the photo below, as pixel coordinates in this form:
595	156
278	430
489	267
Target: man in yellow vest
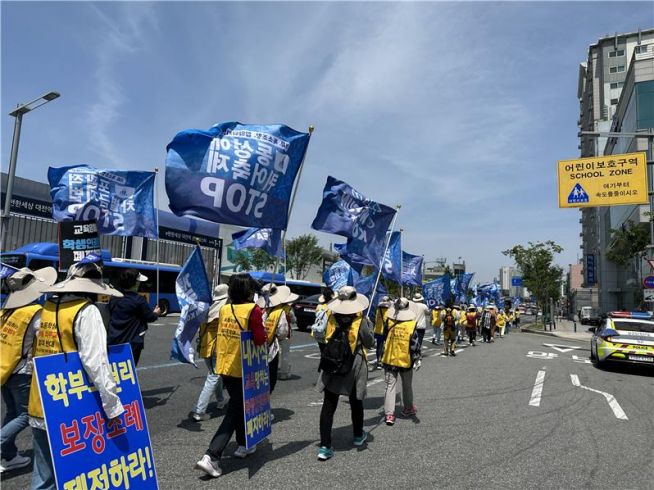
275	301
21	317
449	319
436	322
70	322
380	318
401	356
206	350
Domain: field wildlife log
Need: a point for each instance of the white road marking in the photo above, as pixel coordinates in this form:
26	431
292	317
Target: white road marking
613	403
562	348
538	390
581	360
158	366
542	355
375	381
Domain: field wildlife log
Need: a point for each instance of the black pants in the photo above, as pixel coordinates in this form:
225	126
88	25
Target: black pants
472	335
273	367
327	416
421	335
136	352
486	334
233	420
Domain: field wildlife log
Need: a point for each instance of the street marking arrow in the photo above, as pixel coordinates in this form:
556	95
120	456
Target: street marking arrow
613	403
562	348
538	389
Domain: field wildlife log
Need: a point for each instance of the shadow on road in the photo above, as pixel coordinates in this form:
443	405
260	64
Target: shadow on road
631	369
154	398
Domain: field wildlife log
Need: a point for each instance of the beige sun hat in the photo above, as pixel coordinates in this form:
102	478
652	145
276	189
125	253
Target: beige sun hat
84	278
25	286
418	298
348	302
273	295
401	310
220	292
385	302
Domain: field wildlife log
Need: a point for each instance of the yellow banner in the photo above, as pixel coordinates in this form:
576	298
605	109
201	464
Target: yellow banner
609	180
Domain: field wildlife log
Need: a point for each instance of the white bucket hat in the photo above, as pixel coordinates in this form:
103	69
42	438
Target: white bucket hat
385	302
401	310
220	292
25	286
84	278
418	298
273	295
348	302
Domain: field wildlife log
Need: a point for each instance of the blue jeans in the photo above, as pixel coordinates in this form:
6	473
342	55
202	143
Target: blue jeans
437	334
15	394
213	384
43	472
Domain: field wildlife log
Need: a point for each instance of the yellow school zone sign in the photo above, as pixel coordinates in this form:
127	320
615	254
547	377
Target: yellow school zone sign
609	180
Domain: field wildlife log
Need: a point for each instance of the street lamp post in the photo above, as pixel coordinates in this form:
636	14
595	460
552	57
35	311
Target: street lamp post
18	113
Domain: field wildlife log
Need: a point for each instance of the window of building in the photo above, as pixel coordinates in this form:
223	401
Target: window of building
615	85
641	49
616	69
616	53
614	101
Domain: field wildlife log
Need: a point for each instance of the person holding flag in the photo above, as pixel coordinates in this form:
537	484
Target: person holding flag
380	319
274	301
240	314
21	319
402	354
422	315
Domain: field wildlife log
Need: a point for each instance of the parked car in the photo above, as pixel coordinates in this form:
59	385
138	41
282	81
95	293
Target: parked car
623	336
305	311
589	316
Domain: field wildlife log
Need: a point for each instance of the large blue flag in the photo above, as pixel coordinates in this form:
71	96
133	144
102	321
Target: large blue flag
437	292
240	174
351	253
194	296
462	285
412	269
121	201
267	239
391	267
346	212
338	275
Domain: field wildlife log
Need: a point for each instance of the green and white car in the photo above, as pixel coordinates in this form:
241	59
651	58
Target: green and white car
624	337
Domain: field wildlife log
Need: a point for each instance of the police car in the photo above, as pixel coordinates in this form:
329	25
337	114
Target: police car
625	337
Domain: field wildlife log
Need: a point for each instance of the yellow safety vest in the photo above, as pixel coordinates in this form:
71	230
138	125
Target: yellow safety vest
208	332
228	339
272	322
353	333
47	340
397	345
12	337
501	320
436	318
380	318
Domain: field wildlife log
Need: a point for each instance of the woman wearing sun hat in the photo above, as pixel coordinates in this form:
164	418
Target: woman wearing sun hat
401	355
274	301
76	323
21	317
422	315
345	322
380	318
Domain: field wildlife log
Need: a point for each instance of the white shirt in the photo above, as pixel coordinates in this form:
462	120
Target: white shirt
423	317
91	340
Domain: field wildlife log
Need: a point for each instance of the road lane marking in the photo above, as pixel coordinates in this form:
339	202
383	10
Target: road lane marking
613	403
534	354
562	348
296	347
375	381
538	390
158	366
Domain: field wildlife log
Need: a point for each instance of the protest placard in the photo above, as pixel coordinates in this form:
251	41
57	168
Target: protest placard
256	390
77	239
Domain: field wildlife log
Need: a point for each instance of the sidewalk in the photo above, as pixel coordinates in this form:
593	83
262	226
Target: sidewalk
564	329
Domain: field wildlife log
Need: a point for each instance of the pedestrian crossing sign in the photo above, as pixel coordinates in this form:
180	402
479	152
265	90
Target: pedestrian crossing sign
578	194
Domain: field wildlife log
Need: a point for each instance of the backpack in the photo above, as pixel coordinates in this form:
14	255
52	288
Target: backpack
320	326
449	320
337	358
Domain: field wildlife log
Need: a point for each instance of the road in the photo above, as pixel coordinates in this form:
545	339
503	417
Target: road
501	415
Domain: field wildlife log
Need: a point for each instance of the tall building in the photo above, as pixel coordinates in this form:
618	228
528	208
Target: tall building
616	93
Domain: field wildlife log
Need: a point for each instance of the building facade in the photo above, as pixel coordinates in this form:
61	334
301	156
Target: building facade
615	94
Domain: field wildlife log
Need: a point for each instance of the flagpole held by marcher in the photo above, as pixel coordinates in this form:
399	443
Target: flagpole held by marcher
290	208
381	264
156	202
401	267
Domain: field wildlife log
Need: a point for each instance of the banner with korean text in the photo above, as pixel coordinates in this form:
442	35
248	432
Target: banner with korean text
256	390
121	201
89	451
233	173
77	239
437	292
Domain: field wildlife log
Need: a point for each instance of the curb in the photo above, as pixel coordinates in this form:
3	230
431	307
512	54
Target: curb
552	334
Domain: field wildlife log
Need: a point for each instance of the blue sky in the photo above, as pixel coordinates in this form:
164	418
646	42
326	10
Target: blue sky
458	111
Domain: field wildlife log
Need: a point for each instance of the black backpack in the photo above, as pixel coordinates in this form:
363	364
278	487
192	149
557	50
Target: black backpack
337	358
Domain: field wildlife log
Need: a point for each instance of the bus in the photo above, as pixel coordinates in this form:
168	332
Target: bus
45	254
301	288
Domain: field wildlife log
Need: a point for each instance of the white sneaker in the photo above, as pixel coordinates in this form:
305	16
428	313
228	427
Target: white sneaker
241	452
17	462
211	468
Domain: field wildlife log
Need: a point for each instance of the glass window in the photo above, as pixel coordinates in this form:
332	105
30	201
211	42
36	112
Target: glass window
616	69
614	101
615	85
641	49
616	53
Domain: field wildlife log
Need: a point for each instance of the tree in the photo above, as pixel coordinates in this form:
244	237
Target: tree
627	243
253	259
539	274
242	261
301	253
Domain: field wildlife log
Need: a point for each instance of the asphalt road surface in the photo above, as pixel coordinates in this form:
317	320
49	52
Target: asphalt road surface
518	413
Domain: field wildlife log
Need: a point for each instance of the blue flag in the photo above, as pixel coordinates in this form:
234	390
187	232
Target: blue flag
392	268
346	212
266	239
121	201
412	269
239	174
194	296
365	284
355	253
340	274
6	270
462	285
437	292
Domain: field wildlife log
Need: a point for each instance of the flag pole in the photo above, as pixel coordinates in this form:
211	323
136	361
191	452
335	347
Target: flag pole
401	266
156	199
388	242
290	207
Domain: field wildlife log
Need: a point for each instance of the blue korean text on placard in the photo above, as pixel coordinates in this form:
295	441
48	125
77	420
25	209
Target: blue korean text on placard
256	390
